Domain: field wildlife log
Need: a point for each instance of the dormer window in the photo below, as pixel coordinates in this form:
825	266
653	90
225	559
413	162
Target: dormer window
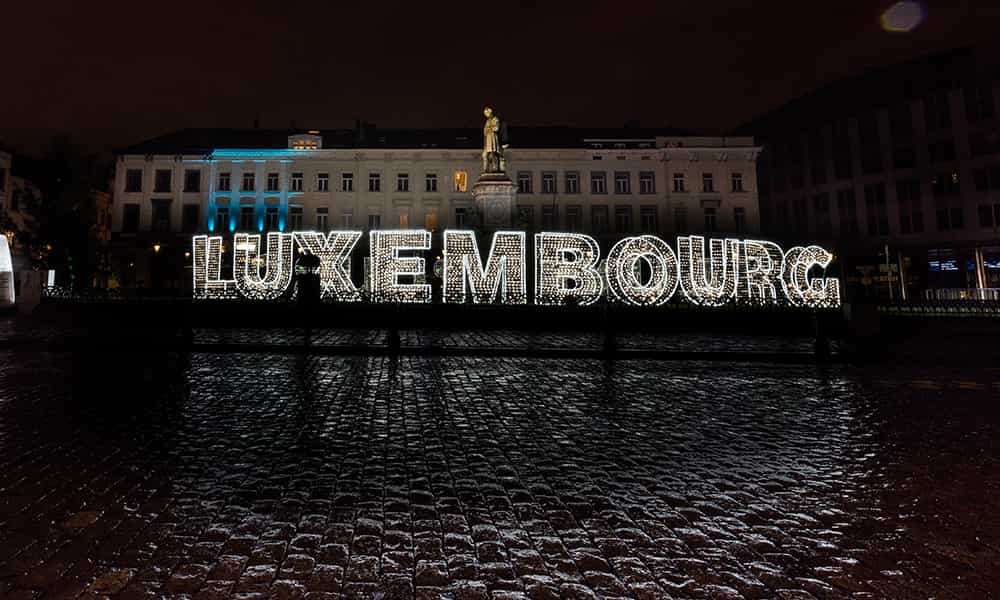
305	141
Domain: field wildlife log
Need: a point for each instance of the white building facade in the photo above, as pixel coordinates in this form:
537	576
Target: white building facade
608	183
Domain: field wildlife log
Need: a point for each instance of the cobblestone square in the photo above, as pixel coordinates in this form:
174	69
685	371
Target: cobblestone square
147	474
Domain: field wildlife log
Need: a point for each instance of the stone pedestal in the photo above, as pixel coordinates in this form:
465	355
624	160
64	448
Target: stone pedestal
496	199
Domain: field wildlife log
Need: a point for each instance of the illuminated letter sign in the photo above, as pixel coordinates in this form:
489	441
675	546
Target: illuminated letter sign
334	253
566	267
623	269
641	270
503	274
387	266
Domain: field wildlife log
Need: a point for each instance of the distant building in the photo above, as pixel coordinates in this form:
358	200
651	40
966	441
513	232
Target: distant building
608	182
906	157
16	192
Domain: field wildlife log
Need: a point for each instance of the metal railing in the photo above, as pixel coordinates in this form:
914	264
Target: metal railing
955	294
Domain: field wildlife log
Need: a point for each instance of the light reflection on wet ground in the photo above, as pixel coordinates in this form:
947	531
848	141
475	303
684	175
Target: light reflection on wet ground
219	474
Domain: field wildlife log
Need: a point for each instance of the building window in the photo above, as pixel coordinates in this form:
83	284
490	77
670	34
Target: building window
548	182
130	218
946	184
189	218
679	182
249	182
942	151
225	182
904	157
221	219
623	183
680	219
374	182
346	219
574	218
161	216
404	221
247	214
374	221
550	217
526	217
842	165
295	218
821	212
737	179
740	219
847	214
402	182
949	218
524	182
710	220
431	182
459	217
623	219
161	183
937	113
599	183
979	102
322	182
296	182
599	218
347	182
271	218
572	182
133	180
816	145
647	182
986	215
878	218
431	220
461	181
648	219
192	180
272	182
707	182
870	144
911	216
322	219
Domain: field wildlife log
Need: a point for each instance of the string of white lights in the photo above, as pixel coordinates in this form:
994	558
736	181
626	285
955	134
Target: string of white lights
561	258
387	266
713	284
248	262
762	264
801	290
208	284
334	253
503	276
623	271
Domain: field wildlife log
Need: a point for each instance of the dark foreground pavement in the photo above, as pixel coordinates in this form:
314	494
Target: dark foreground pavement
214	475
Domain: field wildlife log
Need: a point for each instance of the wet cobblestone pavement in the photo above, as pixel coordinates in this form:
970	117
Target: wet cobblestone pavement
138	475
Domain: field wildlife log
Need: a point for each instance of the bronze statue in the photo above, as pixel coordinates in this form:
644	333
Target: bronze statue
493	158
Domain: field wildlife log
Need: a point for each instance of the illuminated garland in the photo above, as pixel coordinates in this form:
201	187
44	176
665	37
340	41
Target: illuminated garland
713	284
248	263
504	274
334	253
622	270
566	269
207	272
799	288
387	266
567	257
762	264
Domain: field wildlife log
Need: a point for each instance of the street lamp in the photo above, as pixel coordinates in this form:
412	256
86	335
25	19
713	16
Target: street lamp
156	248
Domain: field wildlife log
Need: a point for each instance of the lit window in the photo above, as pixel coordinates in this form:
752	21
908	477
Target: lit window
461	181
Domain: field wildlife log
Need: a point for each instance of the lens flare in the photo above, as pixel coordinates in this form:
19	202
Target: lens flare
902	17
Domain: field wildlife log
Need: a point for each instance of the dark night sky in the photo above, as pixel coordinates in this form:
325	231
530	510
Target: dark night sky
111	73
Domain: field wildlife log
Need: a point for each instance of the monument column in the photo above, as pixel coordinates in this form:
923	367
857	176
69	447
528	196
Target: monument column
494	193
